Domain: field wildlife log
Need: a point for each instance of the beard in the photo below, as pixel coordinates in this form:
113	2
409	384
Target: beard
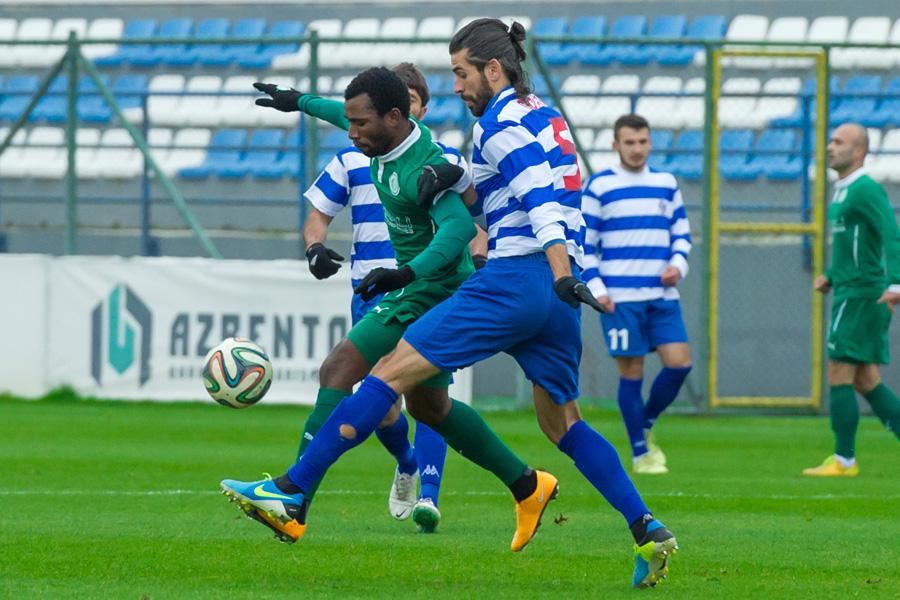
481	98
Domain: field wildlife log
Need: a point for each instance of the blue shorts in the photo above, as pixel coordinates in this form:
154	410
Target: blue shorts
637	328
359	308
507	306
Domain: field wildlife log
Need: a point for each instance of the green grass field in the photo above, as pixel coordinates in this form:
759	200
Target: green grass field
119	500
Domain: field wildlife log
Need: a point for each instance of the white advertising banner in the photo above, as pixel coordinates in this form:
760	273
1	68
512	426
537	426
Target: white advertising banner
139	328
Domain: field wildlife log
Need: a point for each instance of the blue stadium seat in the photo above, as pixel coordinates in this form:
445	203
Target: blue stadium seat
334	140
735	163
17	95
859	109
130	90
552	53
242	28
207	54
224	151
584	53
140	28
661	140
798	118
705	27
91	106
627	26
173	28
665	27
688	161
260	158
262	58
290	160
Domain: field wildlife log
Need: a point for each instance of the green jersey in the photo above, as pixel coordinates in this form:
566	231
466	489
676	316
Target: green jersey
865	240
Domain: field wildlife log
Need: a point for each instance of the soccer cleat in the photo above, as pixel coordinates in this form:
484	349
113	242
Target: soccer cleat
262	501
530	510
646	465
653	448
651	556
426	515
831	467
403	495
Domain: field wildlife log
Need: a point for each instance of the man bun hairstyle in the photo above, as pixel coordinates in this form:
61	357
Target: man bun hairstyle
487	39
414	80
385	89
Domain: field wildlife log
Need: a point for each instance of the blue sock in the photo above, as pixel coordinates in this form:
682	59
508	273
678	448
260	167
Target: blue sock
598	462
431	450
396	439
663	392
363	411
632	407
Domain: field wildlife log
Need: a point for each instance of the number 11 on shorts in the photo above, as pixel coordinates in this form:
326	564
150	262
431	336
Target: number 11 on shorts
618	339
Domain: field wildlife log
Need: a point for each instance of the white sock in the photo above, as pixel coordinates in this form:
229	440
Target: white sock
845	462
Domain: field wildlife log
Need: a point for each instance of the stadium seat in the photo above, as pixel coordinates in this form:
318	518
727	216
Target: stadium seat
691	107
739	111
453	138
773	107
660	111
300	58
865	30
664	27
159	139
775	154
43	56
47	156
894	39
224	152
600	161
433	54
165	97
28	55
827	30
237	110
581	108
687	161
627	26
116	158
17	94
705	27
603	140
156	54
585	137
188	150
618	94
102	29
747	28
588	26
213	55
783	30
352	54
141	28
194	110
734	160
552	53
888	110
11	159
243	28
261	153
890	155
263	55
859	109
391	53
7	32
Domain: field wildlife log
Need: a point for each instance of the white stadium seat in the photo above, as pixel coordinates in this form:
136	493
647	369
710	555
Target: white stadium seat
690	110
894	39
603	140
160	107
660	110
890	163
826	30
31	29
160	141
188	150
747	28
585	137
47	158
61	30
11	159
865	30
610	107
237	111
117	158
389	54
602	160
352	54
102	29
580	110
740	111
771	107
453	138
7	32
433	54
300	59
195	110
268	117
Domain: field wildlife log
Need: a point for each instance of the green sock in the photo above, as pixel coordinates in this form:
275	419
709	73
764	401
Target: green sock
466	432
844	419
326	402
887	406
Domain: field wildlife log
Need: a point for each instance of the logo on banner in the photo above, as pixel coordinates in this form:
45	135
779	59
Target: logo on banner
121	340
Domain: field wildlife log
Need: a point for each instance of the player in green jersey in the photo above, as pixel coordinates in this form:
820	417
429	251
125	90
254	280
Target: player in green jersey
429	236
865	277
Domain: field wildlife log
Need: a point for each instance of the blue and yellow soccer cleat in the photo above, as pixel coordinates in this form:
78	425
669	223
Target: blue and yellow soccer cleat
651	556
530	510
426	515
262	501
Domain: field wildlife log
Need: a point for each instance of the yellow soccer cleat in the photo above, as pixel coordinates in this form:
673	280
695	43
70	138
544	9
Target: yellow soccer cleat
653	448
831	467
647	465
530	510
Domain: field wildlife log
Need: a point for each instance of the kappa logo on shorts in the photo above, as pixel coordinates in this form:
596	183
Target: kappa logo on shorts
431	470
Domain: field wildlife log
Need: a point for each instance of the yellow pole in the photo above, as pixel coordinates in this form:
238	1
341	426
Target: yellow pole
713	330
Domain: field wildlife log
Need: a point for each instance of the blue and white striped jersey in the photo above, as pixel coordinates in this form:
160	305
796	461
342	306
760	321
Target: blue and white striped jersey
347	180
636	227
526	175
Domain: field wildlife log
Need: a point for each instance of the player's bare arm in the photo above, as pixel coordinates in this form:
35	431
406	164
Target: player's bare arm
822	284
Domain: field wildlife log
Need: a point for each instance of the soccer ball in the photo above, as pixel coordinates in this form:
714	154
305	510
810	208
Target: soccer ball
237	373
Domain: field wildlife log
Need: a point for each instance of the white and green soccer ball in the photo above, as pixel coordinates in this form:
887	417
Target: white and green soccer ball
237	373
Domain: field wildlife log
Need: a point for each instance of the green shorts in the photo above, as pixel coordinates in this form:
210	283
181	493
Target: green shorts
379	331
859	331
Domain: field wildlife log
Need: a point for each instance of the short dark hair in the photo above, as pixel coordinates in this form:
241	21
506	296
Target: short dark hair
385	89
486	39
414	80
632	121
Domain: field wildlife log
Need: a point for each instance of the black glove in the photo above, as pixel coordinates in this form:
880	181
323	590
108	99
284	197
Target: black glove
382	280
435	179
573	291
283	98
478	260
322	261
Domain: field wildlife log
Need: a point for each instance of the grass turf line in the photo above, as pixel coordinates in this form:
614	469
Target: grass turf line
748	523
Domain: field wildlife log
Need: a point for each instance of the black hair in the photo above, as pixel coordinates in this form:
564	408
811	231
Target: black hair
385	89
486	39
414	80
632	121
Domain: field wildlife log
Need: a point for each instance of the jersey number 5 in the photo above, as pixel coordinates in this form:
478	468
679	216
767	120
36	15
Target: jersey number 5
571	183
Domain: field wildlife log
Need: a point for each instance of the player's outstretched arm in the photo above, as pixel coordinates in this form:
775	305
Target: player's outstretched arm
288	99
